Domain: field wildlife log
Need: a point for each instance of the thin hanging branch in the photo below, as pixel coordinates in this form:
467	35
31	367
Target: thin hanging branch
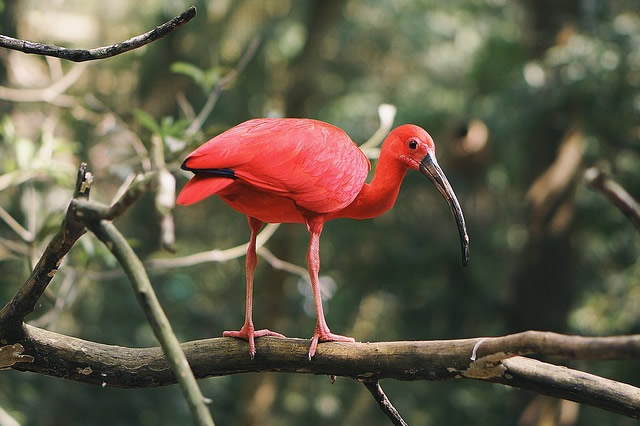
81	55
385	405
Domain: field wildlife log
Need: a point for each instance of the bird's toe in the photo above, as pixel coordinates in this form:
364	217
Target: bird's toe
320	337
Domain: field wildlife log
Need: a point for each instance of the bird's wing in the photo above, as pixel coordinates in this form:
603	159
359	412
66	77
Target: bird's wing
312	162
201	187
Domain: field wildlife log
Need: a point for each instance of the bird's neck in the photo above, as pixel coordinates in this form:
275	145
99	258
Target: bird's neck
380	195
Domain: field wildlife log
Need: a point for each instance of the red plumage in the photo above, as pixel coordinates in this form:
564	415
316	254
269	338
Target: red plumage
311	163
307	171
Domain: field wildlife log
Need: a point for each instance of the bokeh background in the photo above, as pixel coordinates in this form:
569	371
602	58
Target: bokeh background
521	97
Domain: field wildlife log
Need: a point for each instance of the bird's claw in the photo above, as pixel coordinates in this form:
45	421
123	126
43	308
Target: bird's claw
249	334
326	336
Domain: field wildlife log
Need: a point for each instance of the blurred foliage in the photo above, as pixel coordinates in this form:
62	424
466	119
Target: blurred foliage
499	85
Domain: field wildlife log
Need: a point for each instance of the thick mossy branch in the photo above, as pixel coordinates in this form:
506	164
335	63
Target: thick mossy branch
95	363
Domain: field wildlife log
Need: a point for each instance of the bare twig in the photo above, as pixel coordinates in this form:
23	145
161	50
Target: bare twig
23	303
15	226
600	181
14	246
15	178
386	114
385	405
222	84
46	94
282	265
165	196
185	106
126	183
134	268
215	255
81	55
7	419
141	184
117	366
66	295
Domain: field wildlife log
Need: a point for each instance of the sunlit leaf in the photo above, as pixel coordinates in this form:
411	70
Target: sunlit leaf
147	121
190	70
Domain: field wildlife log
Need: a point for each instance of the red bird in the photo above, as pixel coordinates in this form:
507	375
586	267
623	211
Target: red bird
286	170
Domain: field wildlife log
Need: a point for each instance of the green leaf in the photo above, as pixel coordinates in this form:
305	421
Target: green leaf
190	70
147	121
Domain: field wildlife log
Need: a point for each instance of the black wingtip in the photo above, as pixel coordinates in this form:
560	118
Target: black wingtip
222	172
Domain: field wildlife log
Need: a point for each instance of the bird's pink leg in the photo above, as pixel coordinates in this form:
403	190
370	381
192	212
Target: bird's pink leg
247	332
321	333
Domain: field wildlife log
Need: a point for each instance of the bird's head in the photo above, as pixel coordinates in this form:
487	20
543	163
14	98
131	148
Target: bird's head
414	148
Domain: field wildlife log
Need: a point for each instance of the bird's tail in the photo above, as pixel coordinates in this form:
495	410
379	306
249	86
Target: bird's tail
200	187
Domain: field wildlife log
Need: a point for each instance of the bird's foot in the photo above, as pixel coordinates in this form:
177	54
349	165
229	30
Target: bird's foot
325	336
249	334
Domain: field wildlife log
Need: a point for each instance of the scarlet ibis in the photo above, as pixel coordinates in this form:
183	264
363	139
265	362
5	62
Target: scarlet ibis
286	170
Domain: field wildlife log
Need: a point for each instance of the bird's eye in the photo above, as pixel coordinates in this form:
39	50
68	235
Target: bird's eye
413	144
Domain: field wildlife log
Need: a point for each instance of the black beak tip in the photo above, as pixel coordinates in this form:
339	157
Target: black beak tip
465	251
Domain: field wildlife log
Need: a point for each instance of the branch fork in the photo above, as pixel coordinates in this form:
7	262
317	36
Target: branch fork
83	214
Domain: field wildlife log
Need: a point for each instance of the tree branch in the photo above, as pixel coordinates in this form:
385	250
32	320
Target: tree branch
81	55
215	255
149	303
165	196
566	383
601	182
222	84
97	217
24	301
106	365
45	94
385	405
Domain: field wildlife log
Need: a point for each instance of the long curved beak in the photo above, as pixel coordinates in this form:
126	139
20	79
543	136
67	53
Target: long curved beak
430	168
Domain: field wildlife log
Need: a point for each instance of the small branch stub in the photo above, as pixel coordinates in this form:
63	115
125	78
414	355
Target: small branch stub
601	182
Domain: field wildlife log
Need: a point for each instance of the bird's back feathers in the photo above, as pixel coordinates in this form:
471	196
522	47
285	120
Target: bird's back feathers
311	162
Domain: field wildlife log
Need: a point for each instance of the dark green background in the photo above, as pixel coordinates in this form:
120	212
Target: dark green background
531	71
